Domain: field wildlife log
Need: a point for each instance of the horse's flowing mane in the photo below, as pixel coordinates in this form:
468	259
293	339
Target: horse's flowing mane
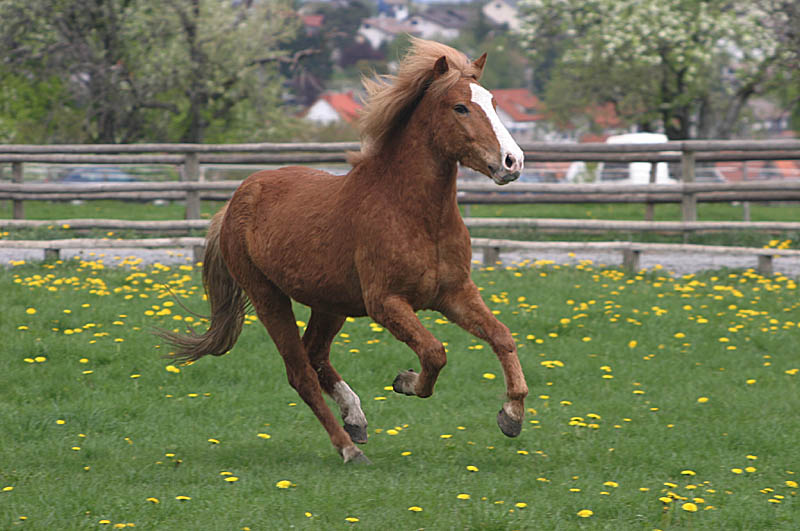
391	98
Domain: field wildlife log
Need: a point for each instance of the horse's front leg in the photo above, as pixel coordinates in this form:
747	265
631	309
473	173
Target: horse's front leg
398	317
466	308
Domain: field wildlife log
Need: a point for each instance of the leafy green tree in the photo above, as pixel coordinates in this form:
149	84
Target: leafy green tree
187	70
689	65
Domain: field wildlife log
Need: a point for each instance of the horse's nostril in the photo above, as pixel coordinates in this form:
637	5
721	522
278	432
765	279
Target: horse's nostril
509	162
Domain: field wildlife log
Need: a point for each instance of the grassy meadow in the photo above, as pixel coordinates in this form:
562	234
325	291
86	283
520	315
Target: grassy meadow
656	402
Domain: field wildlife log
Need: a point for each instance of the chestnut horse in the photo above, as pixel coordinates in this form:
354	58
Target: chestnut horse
383	241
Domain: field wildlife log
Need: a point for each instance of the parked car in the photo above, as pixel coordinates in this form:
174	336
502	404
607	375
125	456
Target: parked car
97	174
623	172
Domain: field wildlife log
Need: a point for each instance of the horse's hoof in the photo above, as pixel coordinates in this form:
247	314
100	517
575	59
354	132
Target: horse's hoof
351	454
404	382
509	426
358	434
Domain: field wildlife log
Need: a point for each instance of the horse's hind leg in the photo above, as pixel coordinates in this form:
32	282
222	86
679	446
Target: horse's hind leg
322	328
274	309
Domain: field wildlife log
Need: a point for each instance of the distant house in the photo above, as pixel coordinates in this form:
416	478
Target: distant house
443	23
502	13
378	30
520	111
333	107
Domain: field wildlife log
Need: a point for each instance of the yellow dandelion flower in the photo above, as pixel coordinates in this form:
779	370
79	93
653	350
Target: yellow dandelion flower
172	368
283	484
489	376
352	519
520	505
702	399
153	500
472	468
791	484
213	441
445	436
585	513
183	498
688	472
405	454
231	479
750	469
265	435
30	311
689	507
613	484
415	509
736	470
463	496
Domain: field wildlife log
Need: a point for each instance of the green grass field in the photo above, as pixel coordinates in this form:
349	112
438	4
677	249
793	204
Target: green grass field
656	403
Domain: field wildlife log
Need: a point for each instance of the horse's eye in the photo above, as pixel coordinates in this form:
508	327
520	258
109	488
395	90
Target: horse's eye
461	109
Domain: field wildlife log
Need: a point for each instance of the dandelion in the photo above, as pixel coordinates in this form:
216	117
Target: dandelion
463	496
183	498
405	454
153	500
585	513
415	509
613	484
265	435
352	519
688	472
172	368
30	311
520	505
791	484
283	484
689	507
702	400
472	468
489	376
736	470
213	441
445	436
750	469
231	479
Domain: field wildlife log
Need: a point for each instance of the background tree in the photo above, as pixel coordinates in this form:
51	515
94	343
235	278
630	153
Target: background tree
188	70
689	66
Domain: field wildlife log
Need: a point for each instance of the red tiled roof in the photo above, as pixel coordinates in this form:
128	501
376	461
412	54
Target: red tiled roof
313	21
344	104
519	104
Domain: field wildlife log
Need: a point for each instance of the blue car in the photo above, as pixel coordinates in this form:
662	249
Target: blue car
97	174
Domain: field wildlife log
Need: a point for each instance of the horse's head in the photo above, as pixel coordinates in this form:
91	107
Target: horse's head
470	130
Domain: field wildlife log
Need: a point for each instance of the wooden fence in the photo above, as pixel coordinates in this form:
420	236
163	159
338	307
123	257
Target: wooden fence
190	158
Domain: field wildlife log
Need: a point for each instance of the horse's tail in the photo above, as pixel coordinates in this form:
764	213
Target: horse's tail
228	305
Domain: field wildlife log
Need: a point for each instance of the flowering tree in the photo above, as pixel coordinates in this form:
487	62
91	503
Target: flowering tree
689	66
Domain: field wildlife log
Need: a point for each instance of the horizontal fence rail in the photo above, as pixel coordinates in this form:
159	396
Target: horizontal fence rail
491	248
192	189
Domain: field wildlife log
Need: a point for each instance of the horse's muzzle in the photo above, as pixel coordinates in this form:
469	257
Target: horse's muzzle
503	177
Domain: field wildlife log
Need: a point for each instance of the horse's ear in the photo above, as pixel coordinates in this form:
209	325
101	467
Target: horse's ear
441	67
479	63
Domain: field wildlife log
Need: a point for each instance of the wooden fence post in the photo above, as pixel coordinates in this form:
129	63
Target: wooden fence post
191	173
649	208
745	204
491	255
689	200
17	177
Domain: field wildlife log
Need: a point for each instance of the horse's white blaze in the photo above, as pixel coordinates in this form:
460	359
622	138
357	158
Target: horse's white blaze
483	98
349	404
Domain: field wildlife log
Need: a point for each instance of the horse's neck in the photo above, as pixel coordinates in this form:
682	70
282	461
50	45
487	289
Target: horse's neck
417	178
